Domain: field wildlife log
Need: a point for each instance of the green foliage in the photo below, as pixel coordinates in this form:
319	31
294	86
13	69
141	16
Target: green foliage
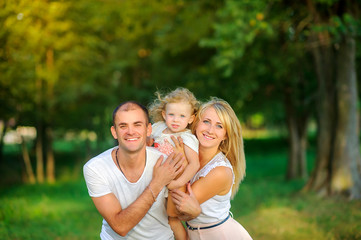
238	23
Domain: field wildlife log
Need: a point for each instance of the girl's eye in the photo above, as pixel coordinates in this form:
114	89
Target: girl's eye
183	116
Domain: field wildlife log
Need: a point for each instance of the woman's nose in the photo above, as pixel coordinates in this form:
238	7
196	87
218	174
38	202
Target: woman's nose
210	128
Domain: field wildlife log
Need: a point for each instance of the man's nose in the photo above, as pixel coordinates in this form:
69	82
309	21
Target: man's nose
130	130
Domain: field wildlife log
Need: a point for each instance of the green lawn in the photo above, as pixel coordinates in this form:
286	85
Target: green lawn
266	205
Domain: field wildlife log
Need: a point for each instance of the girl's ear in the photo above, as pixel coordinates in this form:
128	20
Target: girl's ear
191	119
163	114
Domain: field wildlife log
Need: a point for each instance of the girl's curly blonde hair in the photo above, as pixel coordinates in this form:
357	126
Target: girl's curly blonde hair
178	95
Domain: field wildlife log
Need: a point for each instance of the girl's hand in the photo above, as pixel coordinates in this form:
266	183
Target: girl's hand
150	141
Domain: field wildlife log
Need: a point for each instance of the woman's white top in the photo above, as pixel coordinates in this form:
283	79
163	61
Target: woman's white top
216	208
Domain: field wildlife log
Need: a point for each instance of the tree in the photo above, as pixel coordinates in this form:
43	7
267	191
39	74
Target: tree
325	29
338	161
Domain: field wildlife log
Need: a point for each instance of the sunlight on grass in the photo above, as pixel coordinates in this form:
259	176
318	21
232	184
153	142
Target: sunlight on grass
47	212
281	223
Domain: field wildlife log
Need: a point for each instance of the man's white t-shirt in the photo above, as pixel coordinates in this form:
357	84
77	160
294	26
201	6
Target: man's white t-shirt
103	177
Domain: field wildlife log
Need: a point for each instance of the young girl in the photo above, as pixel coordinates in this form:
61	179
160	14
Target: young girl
172	114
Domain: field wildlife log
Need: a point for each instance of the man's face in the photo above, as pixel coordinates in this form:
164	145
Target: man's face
131	130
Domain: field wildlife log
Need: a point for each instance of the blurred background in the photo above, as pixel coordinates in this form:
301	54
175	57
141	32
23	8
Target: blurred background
288	68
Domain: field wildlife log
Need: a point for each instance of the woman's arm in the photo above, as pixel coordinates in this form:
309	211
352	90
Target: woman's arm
217	182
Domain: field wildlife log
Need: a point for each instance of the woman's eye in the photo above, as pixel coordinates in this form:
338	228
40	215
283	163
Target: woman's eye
219	126
206	121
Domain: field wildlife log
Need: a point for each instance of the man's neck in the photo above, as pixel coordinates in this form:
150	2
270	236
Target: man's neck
132	164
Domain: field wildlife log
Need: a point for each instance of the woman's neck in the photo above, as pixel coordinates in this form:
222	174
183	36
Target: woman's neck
206	155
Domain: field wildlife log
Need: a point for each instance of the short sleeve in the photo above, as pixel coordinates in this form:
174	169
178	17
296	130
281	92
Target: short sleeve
218	161
96	184
191	141
157	129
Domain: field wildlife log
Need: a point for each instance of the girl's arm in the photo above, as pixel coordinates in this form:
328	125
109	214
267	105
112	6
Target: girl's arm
189	171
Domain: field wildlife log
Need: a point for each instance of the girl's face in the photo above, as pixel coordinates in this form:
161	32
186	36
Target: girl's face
210	131
177	116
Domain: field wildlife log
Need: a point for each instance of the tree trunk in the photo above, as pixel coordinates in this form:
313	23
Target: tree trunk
292	139
323	55
296	167
346	177
337	168
27	162
3	131
302	159
50	160
39	154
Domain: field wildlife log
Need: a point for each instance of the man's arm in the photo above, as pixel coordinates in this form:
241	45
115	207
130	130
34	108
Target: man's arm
123	220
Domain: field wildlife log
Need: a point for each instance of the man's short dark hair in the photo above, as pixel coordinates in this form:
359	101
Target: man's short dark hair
131	107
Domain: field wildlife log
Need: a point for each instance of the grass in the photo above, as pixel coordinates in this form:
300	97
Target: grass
269	207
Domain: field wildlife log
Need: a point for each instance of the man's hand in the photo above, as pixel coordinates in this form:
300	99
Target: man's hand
164	173
178	144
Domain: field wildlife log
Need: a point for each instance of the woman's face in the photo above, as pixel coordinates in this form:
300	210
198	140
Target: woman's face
210	131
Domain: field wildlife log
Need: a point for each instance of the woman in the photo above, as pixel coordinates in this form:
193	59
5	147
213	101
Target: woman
222	167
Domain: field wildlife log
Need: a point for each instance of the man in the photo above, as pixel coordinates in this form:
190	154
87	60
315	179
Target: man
127	182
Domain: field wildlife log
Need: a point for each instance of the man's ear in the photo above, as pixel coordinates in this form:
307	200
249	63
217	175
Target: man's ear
191	119
149	129
114	132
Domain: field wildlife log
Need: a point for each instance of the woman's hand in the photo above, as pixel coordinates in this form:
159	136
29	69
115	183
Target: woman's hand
186	204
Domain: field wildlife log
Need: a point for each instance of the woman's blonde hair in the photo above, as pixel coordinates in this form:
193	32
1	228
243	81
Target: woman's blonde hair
232	146
178	95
